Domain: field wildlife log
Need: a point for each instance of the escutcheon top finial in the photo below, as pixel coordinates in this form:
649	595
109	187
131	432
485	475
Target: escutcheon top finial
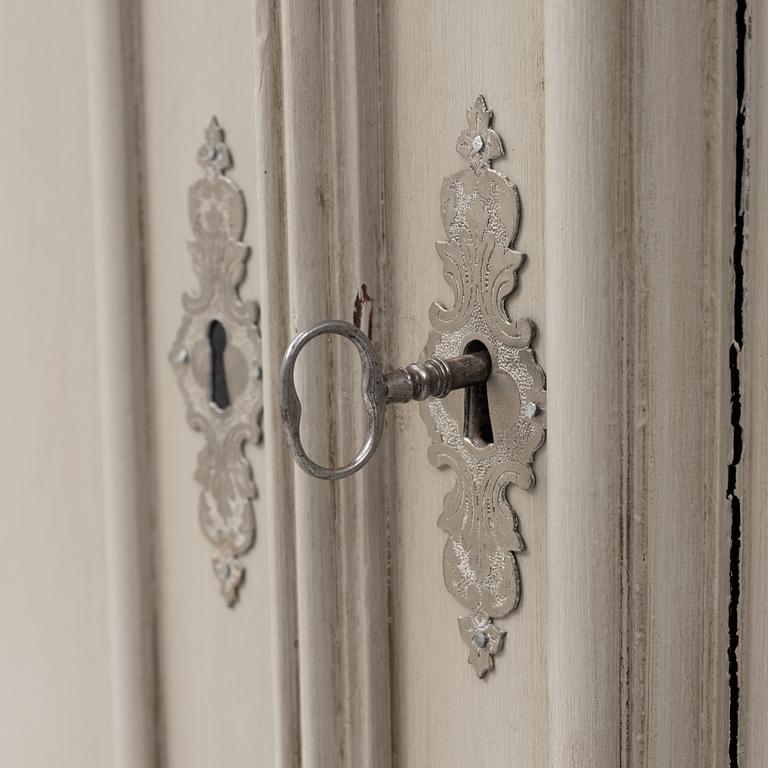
479	144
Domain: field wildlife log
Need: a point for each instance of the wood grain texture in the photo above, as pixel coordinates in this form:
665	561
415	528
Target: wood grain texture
636	227
333	239
436	58
753	623
307	177
680	329
358	258
585	188
616	654
641	215
268	212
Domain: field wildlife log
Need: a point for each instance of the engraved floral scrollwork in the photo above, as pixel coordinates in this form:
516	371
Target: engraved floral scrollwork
480	210
232	417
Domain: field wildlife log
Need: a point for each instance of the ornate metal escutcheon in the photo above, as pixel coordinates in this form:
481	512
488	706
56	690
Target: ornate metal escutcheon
480	209
482	391
217	359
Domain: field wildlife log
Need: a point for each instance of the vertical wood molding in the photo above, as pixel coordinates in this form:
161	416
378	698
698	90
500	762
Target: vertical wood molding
682	81
637	226
753	624
585	177
330	92
306	140
278	498
358	256
638	217
121	365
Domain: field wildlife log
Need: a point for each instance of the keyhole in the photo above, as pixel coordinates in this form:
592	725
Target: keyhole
477	417
217	337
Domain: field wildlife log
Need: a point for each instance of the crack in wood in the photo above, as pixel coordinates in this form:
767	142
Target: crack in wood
740	201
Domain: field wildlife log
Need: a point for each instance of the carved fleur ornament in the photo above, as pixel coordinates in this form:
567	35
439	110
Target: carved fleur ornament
480	210
217	359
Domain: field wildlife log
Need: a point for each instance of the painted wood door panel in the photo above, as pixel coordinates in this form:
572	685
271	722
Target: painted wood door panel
620	128
215	663
430	80
617	651
631	297
750	354
54	641
625	539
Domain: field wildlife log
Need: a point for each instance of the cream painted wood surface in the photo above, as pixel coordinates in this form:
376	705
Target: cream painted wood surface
215	664
55	637
444	715
115	208
619	129
627	199
753	620
683	143
54	643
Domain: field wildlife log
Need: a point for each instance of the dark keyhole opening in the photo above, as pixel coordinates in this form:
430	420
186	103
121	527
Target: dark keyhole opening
217	337
477	417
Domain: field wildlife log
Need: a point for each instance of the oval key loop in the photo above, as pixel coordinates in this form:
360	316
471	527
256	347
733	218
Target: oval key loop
372	389
417	381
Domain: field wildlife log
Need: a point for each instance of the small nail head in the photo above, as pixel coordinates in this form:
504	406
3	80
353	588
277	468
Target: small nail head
222	569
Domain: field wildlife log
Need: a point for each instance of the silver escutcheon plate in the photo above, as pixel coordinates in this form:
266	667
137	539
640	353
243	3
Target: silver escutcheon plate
480	209
224	402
